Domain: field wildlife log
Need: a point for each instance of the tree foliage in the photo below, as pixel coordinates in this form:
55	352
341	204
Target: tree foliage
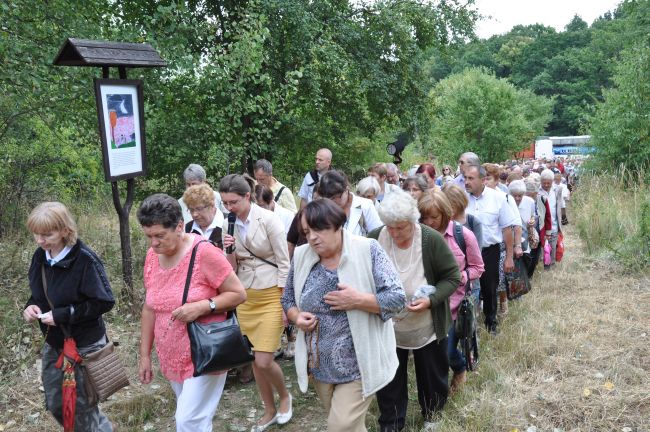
475	111
246	79
621	123
572	65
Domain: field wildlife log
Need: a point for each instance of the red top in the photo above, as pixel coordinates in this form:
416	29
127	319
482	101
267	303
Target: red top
164	293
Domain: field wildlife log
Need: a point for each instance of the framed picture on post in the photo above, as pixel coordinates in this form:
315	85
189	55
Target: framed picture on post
120	114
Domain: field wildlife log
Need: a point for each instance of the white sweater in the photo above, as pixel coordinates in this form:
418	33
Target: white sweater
374	339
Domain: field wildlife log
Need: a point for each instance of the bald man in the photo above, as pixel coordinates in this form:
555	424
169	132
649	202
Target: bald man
323	164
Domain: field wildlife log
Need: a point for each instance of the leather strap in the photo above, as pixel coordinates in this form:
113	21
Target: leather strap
191	268
64	328
260	258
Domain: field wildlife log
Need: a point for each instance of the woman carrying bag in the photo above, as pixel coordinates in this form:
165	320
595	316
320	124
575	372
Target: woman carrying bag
214	289
69	294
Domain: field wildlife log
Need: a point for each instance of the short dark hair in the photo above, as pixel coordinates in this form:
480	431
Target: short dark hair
324	214
160	209
332	183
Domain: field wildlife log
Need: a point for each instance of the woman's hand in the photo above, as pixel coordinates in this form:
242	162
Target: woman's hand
31	313
228	240
191	311
419	305
306	321
344	298
145	371
48	319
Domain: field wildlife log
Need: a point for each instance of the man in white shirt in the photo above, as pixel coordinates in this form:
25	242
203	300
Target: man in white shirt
194	174
282	195
556	204
323	164
498	221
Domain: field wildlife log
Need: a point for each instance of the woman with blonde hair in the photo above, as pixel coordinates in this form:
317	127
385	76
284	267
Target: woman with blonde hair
69	294
201	205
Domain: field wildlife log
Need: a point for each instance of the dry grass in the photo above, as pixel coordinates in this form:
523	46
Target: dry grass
573	355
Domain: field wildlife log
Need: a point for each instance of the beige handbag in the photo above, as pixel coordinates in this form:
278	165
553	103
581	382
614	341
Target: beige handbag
104	372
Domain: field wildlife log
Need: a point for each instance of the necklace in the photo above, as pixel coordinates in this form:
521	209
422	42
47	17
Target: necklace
410	261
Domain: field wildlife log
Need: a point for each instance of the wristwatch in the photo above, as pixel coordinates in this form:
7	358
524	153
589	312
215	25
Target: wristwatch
213	305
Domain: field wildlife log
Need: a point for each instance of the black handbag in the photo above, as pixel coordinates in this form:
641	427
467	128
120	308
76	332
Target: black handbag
216	346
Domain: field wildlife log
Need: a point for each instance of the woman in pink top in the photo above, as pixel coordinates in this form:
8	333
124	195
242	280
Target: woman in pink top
436	212
214	290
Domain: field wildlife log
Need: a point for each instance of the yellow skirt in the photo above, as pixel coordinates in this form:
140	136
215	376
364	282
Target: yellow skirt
260	318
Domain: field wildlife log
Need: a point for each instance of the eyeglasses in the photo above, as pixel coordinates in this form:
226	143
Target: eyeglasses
231	203
197	209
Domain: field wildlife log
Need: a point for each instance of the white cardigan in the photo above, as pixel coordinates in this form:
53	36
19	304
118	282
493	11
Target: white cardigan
373	339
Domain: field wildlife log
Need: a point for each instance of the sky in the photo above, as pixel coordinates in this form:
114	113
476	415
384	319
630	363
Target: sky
555	13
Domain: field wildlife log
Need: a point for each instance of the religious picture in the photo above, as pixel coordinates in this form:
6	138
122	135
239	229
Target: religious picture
121	127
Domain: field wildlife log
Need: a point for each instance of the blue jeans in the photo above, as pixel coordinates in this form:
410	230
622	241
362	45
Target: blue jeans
456	357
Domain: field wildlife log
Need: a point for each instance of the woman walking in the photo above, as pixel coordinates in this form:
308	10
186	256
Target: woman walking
214	289
261	260
341	292
429	273
69	294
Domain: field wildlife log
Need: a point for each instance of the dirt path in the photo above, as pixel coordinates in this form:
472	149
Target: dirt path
573	355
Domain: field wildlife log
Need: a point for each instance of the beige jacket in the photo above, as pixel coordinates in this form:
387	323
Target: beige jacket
267	240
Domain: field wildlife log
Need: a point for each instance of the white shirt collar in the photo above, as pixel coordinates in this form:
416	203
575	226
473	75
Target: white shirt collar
208	230
66	250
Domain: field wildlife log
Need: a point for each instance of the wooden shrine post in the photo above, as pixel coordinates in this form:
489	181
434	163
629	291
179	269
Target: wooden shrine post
120	116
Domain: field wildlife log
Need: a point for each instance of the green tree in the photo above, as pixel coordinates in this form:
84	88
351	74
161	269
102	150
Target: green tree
475	111
620	128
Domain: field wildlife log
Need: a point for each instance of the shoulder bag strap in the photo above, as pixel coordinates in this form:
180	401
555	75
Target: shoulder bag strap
64	328
277	196
191	268
260	258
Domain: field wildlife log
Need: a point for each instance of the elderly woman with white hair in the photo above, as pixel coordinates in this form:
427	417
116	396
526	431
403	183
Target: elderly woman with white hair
553	194
368	187
542	217
429	273
526	206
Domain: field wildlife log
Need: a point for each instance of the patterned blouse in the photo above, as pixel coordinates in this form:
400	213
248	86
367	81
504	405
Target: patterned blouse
332	358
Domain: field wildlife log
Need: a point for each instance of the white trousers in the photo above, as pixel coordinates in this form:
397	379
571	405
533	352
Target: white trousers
197	399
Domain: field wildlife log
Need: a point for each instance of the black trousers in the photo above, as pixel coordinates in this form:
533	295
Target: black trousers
489	283
431	369
534	259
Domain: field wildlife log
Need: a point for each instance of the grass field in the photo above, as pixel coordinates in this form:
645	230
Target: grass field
573	355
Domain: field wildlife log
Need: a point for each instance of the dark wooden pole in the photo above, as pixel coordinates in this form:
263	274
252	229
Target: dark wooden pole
123	211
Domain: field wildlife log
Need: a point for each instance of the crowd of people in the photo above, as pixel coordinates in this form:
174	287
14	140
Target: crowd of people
359	280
